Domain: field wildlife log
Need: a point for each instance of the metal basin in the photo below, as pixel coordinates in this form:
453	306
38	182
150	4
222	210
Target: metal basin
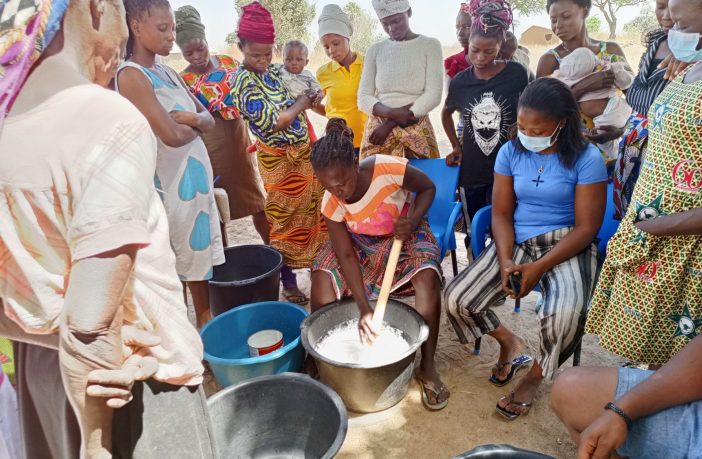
281	416
364	388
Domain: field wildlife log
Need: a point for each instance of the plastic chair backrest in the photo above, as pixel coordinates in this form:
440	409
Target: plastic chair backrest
609	224
478	230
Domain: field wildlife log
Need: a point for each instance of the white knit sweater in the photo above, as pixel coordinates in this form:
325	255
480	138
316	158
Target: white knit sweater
399	73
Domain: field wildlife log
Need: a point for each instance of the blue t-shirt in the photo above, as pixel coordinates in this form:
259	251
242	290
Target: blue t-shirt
545	188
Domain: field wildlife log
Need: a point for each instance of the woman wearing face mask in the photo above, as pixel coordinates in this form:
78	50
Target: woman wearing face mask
485	96
568	23
648	301
398	105
341	77
656	69
183	173
209	79
548	202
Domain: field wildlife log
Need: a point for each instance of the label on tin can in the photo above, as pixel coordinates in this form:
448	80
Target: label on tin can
264	342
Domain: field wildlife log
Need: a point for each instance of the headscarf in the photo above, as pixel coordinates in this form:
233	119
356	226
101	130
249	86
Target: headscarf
489	15
188	25
385	8
256	24
335	20
27	27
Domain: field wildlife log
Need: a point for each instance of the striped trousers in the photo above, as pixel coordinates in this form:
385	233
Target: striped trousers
566	289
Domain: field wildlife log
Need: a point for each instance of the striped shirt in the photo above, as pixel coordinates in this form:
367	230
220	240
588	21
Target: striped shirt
649	82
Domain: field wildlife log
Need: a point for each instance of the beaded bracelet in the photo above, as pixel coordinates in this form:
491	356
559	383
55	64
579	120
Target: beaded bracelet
611	406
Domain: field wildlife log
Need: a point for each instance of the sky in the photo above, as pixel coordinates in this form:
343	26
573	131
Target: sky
435	18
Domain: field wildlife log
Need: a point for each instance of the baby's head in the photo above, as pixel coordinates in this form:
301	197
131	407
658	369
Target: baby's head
295	56
509	46
578	64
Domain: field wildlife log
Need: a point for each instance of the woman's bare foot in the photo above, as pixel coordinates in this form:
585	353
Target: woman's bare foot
524	392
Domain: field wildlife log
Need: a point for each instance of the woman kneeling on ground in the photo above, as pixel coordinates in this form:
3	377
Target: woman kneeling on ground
365	206
548	202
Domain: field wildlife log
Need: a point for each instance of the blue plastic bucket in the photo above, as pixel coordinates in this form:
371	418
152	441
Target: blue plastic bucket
226	348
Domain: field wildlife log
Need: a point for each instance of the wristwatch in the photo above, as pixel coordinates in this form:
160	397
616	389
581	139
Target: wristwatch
611	406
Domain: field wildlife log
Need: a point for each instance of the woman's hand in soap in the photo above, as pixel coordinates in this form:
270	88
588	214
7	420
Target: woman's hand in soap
366	329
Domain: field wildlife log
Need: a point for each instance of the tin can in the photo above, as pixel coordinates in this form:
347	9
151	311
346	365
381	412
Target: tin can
264	342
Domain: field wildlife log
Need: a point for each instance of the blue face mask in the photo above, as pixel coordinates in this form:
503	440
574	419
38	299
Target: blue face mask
683	45
537	144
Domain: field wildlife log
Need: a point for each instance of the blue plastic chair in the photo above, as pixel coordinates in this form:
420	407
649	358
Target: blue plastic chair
445	209
483	218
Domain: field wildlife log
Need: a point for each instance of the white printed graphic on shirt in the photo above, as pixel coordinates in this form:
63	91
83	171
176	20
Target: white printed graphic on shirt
483	120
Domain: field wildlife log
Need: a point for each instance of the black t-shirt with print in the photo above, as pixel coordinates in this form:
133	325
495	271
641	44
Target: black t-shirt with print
488	109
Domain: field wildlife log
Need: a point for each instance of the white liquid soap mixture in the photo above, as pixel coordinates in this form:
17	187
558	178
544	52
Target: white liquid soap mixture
343	344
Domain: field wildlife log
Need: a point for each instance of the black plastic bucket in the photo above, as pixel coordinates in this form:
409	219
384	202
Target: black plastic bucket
250	274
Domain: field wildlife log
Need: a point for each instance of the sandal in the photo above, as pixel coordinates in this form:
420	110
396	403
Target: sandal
510	416
295	295
519	362
442	393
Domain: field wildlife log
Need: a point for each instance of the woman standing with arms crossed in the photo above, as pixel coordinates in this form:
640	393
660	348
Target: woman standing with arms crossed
402	82
341	77
210	79
183	171
283	147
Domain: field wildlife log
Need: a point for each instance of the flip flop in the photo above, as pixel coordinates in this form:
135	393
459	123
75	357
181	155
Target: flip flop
510	416
519	362
296	298
443	390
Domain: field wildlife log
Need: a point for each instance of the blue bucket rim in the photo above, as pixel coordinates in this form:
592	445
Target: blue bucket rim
251	360
240	283
305	379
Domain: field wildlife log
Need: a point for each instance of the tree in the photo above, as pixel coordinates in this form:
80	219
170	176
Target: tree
643	23
610	8
528	7
365	27
291	18
593	24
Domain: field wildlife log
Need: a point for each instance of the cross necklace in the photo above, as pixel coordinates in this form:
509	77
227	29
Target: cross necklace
538	180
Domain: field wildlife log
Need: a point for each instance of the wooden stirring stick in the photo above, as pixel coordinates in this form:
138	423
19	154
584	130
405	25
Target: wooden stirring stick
388	277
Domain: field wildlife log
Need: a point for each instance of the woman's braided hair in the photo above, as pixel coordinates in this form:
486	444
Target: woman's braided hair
335	148
136	9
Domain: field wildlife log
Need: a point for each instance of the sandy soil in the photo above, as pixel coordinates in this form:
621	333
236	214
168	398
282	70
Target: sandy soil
408	430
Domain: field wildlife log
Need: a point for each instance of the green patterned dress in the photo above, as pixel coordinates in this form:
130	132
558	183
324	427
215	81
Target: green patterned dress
648	301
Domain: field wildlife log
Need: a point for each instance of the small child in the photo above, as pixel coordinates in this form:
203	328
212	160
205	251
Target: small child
297	79
604	106
511	50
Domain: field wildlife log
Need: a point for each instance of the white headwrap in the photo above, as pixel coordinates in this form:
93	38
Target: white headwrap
334	20
385	8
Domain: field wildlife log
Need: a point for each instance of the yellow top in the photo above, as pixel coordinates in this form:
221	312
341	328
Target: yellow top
340	86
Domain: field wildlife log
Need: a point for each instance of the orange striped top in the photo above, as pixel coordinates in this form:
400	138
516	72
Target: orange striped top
375	213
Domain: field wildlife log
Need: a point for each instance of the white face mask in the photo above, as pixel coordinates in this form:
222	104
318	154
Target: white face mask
683	45
537	143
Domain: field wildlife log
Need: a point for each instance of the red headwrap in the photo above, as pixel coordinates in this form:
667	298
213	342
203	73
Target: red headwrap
256	24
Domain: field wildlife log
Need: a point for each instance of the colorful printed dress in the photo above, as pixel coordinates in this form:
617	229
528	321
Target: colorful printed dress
371	222
228	142
294	194
184	176
648	302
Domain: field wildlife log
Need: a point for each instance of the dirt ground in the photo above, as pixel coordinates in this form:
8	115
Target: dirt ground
408	430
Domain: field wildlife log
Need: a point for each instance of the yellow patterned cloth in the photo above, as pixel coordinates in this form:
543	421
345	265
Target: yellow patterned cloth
415	141
648	301
293	202
7	362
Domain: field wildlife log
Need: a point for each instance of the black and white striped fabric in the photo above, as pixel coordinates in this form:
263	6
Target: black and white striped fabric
566	289
649	82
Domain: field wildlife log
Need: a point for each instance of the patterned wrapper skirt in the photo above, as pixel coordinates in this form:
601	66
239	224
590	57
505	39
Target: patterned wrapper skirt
227	146
293	202
632	150
416	141
419	252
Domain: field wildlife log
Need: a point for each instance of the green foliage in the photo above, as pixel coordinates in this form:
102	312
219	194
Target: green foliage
528	7
593	24
643	23
291	17
365	27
